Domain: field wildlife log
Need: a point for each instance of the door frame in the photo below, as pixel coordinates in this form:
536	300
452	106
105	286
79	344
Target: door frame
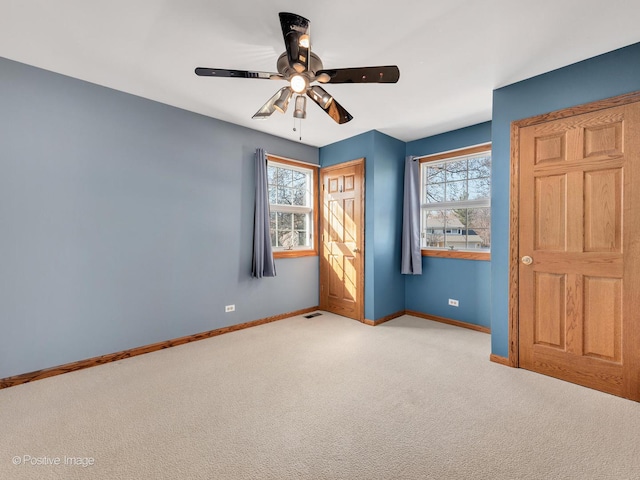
514	212
361	231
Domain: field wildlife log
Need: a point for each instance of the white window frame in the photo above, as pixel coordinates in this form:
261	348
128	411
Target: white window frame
425	205
310	209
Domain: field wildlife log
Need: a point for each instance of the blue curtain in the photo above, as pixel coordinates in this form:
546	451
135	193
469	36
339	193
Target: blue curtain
411	254
263	264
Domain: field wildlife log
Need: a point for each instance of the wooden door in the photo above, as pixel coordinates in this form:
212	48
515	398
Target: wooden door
342	241
579	249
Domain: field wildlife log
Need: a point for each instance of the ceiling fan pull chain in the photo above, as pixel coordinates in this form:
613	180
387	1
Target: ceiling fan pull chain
299	129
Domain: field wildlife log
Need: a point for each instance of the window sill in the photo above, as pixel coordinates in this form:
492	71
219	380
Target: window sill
294	253
466	255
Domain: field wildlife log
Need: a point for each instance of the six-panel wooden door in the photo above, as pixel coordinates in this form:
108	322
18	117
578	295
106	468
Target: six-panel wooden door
579	245
342	251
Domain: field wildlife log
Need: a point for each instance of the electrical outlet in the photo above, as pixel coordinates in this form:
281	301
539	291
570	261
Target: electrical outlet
453	302
230	308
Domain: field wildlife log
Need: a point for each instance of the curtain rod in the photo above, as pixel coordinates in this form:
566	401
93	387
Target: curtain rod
454	150
293	160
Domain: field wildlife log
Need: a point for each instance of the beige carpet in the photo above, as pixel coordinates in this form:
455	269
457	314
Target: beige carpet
321	398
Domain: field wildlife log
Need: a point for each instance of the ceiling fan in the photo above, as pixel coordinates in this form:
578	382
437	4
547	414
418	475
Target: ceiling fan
300	67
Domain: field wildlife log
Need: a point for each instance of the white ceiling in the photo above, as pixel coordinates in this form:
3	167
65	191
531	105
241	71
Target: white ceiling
451	53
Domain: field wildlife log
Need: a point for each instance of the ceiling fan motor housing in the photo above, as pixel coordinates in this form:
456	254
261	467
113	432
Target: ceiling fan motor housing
284	69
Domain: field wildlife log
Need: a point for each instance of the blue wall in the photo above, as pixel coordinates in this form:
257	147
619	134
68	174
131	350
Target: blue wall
384	170
601	77
125	222
461	138
388	187
468	281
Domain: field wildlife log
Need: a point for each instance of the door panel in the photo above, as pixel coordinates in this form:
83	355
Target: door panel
603	318
550	310
603	139
551	212
550	148
342	252
603	211
579	298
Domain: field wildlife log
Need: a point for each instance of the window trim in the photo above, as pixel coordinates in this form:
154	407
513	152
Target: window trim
304	251
451	154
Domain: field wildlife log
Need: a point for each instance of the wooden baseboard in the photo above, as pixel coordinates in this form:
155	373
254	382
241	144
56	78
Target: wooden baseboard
501	360
374	323
448	321
133	352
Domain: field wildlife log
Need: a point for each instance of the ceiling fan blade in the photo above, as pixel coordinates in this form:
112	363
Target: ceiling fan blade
223	72
268	108
328	104
385	74
297	40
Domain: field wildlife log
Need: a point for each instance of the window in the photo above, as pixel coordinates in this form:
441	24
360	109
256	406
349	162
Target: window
292	202
456	203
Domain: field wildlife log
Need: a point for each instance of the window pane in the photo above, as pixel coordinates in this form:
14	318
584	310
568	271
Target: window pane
284	196
287	177
456	170
299	221
480	225
271	174
480	239
460	218
453	238
288	240
298	197
453	221
434	174
273	194
303	239
433	228
456	191
480	167
479	188
435	193
278	177
299	179
284	221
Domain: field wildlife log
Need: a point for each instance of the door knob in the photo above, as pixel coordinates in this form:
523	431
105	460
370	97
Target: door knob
527	260
356	250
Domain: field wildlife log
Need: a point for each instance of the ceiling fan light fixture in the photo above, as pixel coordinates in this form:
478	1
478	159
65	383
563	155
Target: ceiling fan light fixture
282	102
298	83
323	77
326	100
304	41
321	97
301	107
